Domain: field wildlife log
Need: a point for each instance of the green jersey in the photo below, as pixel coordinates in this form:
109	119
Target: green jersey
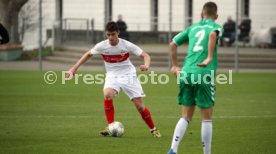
198	36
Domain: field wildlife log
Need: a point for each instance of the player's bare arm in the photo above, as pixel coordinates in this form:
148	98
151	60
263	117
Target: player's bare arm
81	61
173	52
211	47
146	58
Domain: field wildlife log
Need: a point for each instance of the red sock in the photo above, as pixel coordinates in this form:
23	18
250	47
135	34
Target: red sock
147	118
109	111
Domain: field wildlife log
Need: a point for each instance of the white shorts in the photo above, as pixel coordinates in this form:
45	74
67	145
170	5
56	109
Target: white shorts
128	83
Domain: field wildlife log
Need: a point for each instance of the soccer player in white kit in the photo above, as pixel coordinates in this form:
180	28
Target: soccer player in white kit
120	74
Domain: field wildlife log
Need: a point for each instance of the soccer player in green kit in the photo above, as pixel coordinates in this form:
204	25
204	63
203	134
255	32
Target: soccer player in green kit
197	75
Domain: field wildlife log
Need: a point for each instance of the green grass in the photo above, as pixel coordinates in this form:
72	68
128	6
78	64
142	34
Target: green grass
39	118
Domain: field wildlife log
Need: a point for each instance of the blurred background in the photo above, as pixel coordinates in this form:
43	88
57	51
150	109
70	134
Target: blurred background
39	36
59	31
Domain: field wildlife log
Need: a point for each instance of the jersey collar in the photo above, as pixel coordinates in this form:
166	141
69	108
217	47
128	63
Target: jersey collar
207	20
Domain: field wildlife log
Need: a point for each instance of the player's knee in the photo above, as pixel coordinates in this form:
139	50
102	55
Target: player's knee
108	96
140	108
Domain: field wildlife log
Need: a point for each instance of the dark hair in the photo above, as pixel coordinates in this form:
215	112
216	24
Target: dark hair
111	27
210	9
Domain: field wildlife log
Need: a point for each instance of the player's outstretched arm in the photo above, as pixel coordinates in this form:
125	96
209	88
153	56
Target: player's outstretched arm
146	58
173	52
211	46
82	60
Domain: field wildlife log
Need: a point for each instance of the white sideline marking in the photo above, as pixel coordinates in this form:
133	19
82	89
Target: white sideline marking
240	117
130	117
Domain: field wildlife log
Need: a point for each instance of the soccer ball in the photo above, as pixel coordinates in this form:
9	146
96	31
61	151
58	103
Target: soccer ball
116	129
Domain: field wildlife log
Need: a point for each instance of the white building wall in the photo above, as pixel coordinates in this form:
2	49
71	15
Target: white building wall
178	18
137	15
262	14
86	9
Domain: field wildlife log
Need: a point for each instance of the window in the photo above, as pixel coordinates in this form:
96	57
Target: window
245	7
188	12
154	15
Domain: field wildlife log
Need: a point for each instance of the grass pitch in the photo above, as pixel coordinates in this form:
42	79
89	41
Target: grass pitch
39	118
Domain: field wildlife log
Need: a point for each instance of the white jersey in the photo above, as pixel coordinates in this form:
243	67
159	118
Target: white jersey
116	58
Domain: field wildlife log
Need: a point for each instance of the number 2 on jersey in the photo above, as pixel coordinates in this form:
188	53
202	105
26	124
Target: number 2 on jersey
200	35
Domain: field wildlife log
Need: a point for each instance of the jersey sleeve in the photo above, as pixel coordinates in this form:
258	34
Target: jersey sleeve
219	31
182	37
96	49
134	49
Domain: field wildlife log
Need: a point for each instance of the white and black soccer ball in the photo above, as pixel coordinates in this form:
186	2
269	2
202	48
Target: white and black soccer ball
116	129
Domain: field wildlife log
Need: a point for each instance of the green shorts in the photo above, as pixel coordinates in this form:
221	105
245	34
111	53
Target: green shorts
196	89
